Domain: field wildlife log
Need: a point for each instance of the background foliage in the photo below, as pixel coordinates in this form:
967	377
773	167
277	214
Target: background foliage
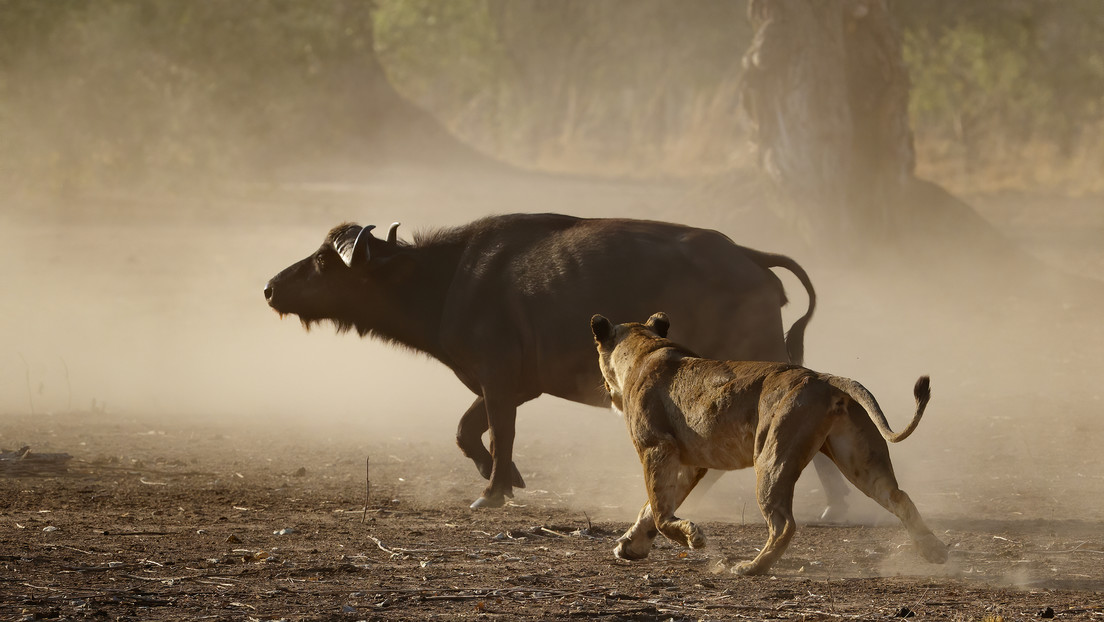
99	92
114	91
1014	89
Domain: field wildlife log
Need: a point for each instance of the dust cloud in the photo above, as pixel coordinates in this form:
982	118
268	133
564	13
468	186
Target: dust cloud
146	302
137	314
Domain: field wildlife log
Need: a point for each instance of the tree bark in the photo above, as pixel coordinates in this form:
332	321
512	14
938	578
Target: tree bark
827	90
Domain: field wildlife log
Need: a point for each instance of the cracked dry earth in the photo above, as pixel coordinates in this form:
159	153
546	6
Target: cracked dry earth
218	520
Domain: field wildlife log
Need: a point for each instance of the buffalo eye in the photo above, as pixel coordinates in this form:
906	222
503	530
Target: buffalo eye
320	261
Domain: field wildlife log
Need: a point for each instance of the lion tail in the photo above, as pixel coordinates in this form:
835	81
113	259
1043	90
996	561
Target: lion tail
922	392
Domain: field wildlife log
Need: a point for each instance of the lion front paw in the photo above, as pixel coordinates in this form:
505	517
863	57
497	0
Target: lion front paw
624	550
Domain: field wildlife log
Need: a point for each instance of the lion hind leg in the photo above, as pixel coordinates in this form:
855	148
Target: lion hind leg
873	475
897	501
931	548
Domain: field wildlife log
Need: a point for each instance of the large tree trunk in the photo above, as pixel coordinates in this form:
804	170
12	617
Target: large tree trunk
827	91
826	88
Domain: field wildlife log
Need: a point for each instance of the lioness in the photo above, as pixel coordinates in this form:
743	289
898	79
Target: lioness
688	414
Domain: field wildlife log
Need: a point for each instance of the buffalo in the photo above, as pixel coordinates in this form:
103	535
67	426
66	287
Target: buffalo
504	302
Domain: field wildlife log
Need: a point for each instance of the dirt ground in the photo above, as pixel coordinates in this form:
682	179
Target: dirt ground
220	456
193	520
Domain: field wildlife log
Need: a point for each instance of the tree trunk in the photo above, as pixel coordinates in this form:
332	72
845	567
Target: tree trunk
827	90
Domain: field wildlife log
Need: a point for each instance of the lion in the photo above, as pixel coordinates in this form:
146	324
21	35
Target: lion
688	414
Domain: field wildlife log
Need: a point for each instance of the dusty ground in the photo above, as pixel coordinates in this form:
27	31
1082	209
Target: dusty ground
205	520
225	477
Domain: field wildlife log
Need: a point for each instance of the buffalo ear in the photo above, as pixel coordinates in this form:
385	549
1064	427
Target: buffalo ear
601	328
659	324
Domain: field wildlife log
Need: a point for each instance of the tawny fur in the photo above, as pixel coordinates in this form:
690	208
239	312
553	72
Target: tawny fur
688	414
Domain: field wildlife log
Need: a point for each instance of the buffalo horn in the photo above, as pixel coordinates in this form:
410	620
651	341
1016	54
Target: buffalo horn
393	233
360	247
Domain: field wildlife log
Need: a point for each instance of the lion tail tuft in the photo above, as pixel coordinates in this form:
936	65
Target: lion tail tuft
921	391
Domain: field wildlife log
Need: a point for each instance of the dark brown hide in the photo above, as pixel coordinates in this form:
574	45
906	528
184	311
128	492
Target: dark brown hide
504	302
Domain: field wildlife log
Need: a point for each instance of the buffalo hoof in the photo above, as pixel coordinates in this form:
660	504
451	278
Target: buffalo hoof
834	513
493	501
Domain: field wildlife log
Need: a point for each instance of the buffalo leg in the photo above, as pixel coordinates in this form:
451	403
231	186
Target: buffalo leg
469	437
835	488
501	419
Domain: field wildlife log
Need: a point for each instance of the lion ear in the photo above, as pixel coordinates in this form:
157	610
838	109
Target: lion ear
659	324
601	328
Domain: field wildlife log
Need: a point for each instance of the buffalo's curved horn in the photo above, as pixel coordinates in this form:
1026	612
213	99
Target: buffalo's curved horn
393	233
360	247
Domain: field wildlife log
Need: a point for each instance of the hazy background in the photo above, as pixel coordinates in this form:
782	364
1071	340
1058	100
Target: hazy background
159	161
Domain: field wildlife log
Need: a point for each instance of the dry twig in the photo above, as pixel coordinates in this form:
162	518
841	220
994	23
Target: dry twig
25	462
367	488
398	551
